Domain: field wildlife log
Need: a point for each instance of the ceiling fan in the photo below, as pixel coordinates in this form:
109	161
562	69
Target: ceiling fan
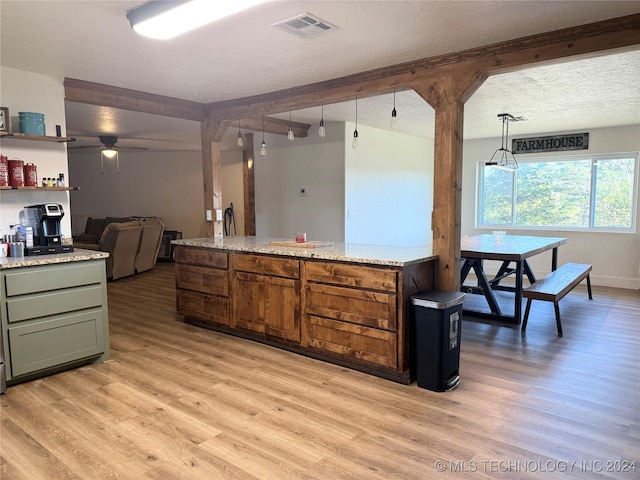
108	143
109	150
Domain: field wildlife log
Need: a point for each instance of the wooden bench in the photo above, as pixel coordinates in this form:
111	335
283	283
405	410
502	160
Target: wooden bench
555	286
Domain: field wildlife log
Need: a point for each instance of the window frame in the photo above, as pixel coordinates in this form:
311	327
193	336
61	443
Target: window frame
594	159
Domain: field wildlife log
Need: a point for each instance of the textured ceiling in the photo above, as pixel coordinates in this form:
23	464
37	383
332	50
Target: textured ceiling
244	55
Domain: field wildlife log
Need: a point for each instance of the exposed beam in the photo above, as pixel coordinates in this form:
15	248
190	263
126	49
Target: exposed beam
106	95
584	40
274	125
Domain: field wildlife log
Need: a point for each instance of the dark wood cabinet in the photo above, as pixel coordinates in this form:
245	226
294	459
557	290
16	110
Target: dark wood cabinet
355	315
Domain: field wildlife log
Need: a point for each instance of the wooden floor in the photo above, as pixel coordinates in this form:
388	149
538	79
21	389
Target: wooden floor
179	402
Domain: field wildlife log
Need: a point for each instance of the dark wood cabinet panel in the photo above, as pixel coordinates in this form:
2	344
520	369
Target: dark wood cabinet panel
248	293
361	344
362	307
283	308
202	279
206	308
266	265
201	256
359	276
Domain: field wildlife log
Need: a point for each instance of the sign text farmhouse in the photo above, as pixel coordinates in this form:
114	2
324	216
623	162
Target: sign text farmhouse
574	141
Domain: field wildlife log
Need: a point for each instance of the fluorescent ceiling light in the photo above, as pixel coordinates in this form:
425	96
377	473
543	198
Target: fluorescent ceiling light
166	19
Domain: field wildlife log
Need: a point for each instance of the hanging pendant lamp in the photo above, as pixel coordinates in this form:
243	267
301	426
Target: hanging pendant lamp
322	132
240	141
290	134
263	145
394	114
506	158
354	143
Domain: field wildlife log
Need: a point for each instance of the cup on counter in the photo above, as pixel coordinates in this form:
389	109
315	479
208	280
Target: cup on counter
16	249
4	249
498	235
301	237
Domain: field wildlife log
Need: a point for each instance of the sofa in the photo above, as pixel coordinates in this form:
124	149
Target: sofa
132	243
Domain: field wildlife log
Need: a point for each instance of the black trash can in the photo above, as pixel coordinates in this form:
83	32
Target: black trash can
436	321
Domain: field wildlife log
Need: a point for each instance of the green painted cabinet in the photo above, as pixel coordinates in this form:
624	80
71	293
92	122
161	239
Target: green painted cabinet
54	316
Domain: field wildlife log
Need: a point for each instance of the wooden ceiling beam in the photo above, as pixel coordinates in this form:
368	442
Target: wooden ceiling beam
584	40
93	93
274	125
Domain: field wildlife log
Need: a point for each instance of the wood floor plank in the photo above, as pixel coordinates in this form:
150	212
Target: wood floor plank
181	402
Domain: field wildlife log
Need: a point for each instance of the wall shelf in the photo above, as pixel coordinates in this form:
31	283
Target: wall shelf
41	189
39	138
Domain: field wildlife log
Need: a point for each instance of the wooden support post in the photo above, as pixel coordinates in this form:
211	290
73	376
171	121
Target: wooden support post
211	175
447	95
249	186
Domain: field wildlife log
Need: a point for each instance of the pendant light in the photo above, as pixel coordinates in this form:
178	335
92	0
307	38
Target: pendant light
290	134
354	143
504	161
394	114
322	132
263	145
240	141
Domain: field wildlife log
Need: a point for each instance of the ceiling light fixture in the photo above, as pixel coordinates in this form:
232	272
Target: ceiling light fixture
240	141
354	143
263	145
322	132
109	153
394	114
162	19
290	134
504	161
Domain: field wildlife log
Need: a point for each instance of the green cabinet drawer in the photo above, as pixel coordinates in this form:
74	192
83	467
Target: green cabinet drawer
42	279
52	303
54	341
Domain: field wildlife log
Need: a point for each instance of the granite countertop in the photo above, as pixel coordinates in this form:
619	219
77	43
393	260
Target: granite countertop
78	255
346	252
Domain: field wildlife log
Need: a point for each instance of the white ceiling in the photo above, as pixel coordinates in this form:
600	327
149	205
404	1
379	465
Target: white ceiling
244	55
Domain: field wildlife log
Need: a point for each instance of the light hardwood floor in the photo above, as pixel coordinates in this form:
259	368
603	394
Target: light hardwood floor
180	402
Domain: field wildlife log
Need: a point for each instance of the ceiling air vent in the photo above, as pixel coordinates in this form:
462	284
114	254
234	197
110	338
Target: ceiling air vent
305	26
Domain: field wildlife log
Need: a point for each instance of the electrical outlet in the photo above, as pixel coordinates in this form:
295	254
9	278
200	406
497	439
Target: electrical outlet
303	191
218	215
209	218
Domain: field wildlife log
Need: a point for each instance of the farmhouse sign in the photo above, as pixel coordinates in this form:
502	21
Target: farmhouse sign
554	143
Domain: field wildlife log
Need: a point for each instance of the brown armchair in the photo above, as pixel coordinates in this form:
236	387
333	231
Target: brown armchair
150	239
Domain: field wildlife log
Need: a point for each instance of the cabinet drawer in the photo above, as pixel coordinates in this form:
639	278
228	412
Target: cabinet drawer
53	303
201	256
278	267
42	279
374	309
352	341
55	341
203	307
201	279
351	275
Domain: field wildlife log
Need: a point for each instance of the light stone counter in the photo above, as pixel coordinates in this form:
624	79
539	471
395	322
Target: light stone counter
345	252
78	255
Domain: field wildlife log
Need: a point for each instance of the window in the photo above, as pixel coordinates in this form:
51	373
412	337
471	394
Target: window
583	193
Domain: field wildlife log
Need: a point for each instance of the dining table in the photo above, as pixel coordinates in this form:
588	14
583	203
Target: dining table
513	251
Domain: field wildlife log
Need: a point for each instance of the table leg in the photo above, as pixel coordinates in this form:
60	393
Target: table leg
483	287
517	311
529	273
554	259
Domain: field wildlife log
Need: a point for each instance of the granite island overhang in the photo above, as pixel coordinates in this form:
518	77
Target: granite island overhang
348	304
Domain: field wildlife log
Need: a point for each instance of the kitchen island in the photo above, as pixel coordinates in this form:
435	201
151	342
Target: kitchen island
54	313
348	304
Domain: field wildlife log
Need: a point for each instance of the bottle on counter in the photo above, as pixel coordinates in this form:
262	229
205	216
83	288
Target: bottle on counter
61	180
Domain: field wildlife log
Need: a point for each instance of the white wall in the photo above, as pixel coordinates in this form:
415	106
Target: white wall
22	91
163	184
615	256
389	188
314	163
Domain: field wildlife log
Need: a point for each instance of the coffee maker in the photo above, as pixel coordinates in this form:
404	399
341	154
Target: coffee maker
47	231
